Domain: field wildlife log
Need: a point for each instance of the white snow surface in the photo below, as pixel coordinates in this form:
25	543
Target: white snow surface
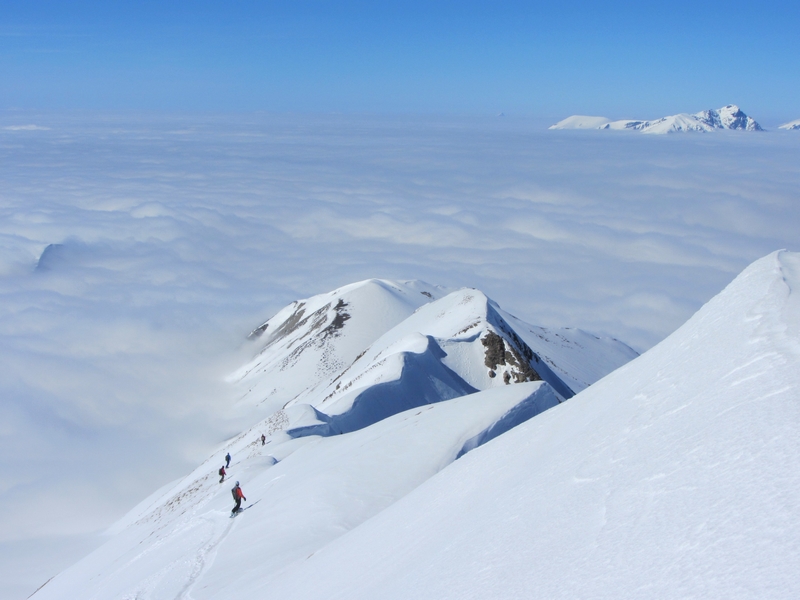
673	477
185	545
408	404
376	363
727	117
791	125
304	345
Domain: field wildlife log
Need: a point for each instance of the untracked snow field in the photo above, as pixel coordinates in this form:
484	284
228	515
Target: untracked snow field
673	477
138	251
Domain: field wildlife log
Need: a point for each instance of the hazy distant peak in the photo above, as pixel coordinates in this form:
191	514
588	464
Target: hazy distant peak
581	122
727	117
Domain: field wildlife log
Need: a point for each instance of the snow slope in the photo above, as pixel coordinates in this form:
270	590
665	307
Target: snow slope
312	340
674	477
457	344
791	125
448	347
186	545
727	117
432	376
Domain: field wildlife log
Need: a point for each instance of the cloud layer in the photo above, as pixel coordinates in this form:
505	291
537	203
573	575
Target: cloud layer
136	253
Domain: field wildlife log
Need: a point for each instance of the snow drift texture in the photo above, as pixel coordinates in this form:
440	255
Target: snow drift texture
370	349
415	376
672	477
727	117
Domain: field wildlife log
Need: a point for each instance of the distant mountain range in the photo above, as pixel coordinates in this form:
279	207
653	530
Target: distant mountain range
727	117
791	125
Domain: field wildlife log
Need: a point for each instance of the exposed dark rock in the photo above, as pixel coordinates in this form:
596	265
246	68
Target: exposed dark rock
257	332
318	318
338	320
499	352
492	374
468	327
292	323
495	350
428	294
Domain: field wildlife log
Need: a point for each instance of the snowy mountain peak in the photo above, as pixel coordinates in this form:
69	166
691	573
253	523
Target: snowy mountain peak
313	379
791	125
369	391
658	482
727	117
321	335
456	345
682	461
331	350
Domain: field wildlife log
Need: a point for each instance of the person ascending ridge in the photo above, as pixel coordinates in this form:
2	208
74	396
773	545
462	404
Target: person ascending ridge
228	460
263	439
222	474
238	496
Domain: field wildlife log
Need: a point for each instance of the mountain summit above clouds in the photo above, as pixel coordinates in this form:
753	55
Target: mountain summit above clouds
414	341
362	394
673	477
791	125
424	443
727	117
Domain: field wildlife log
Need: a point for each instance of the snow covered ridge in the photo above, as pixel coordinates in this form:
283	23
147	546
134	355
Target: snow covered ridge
346	359
727	117
413	376
672	477
791	125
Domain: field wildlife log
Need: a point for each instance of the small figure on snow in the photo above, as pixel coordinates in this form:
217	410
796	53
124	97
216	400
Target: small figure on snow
263	439
238	496
222	474
228	460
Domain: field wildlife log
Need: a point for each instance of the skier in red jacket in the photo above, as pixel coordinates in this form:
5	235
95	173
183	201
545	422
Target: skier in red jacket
222	473
238	496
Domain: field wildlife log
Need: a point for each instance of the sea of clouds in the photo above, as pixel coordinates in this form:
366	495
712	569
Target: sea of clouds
137	252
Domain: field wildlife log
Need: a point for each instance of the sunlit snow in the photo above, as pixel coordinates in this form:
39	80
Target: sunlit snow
670	478
727	117
137	252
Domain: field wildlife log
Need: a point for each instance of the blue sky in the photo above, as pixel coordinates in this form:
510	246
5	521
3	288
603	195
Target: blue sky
619	59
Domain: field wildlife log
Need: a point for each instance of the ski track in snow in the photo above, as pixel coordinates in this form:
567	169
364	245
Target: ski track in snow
672	477
182	572
326	488
203	560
